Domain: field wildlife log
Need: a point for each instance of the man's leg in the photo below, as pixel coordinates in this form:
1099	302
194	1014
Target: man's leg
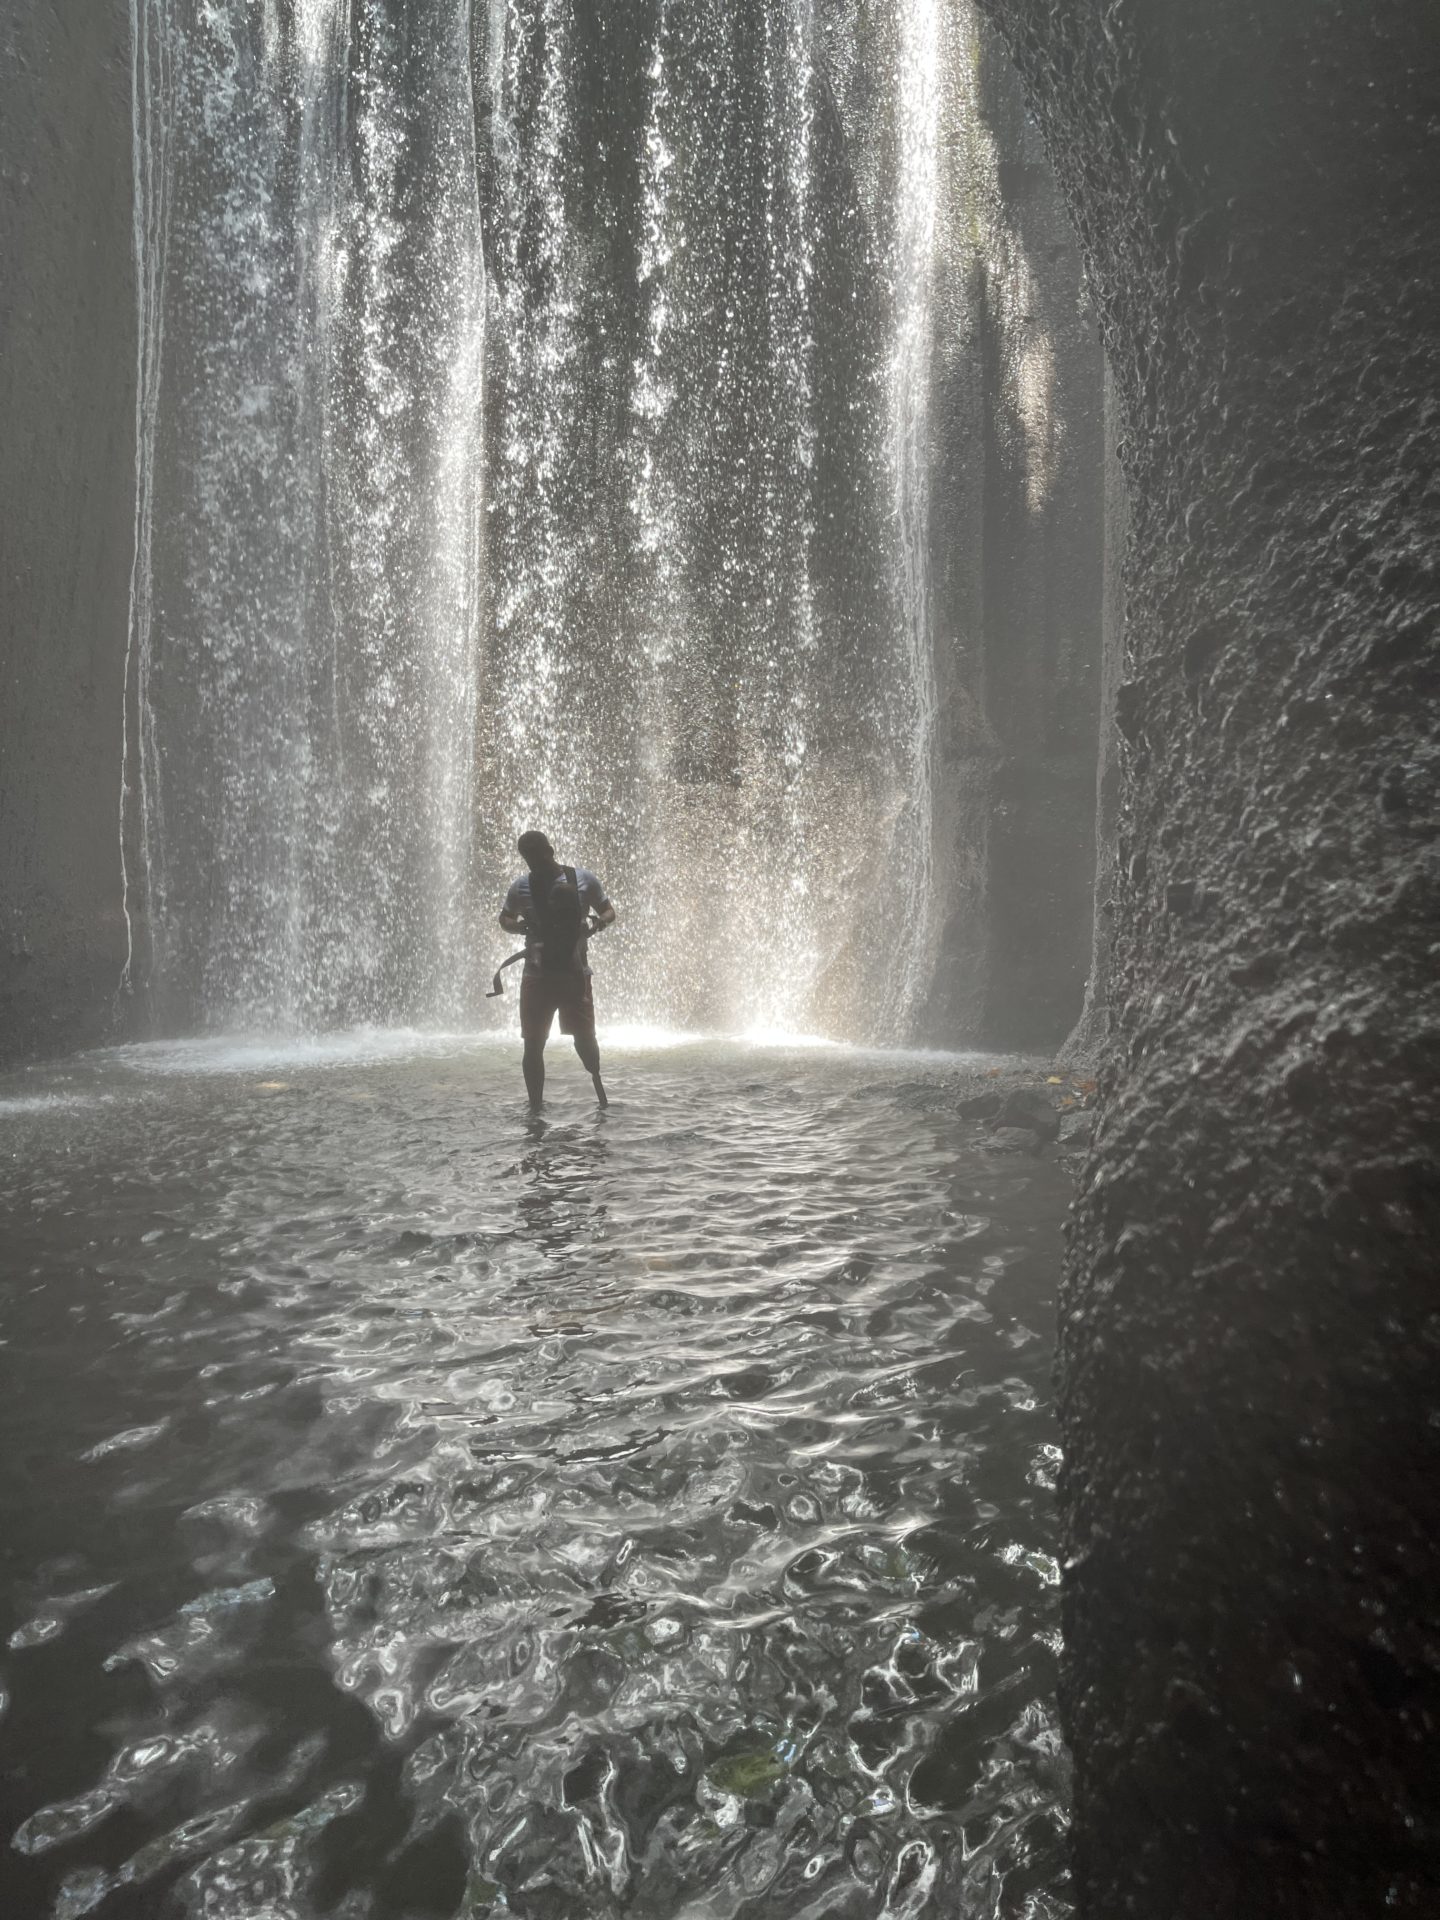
536	1013
533	1063
588	1049
579	1022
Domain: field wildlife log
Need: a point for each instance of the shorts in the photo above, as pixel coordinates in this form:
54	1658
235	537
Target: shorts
543	995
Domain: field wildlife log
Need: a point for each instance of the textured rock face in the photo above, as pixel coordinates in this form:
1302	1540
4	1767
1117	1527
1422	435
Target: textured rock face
1250	1329
67	401
1017	542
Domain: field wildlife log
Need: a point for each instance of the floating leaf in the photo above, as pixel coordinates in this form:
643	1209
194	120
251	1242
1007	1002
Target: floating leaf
747	1774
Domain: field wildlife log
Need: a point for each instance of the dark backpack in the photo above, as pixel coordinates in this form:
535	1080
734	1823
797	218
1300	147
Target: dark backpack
557	921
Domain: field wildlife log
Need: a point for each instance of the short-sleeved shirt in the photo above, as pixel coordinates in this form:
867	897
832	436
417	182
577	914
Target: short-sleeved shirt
593	898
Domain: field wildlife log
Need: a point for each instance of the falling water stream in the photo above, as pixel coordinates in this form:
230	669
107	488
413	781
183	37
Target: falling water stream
299	776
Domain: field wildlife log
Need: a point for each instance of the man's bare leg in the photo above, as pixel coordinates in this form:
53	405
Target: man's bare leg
533	1062
588	1049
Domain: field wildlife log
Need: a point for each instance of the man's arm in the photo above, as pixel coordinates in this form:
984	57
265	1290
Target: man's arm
512	919
597	901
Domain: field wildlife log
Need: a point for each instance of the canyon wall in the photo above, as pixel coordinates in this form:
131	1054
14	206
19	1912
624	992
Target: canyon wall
1252	1587
67	493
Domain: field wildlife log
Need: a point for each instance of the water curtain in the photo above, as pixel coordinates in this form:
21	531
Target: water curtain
532	429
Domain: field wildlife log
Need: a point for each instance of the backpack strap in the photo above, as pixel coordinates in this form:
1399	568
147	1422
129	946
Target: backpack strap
497	985
539	903
550	961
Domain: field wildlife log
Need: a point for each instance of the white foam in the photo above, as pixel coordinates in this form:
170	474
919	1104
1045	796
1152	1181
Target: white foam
242	1053
785	1038
249	1053
47	1102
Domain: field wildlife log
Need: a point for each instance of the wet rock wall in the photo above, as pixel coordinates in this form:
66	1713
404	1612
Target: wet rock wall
67	430
1017	548
1043	613
1087	1039
1252	1595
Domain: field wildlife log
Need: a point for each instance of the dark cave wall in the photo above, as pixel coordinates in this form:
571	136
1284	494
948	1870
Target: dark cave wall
1017	545
1249	1327
1042	606
1087	1039
67	416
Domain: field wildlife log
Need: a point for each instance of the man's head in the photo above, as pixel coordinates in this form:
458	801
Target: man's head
535	850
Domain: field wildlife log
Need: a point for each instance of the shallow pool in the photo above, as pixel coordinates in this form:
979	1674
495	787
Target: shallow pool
415	1508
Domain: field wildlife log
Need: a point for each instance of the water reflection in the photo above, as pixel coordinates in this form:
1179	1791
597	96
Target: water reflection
561	1173
413	1509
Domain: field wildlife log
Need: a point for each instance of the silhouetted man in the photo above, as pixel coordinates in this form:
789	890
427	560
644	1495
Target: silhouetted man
551	905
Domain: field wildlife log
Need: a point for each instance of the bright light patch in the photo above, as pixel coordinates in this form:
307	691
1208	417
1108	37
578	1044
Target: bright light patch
784	1037
636	1037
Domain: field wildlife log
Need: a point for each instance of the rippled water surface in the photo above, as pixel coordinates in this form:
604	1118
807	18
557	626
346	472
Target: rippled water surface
412	1508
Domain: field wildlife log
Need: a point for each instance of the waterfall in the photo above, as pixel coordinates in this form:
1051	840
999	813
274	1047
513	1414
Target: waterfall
152	175
914	245
306	616
533	727
542	440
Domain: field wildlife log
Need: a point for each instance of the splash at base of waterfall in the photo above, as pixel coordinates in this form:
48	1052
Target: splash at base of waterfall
244	1053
